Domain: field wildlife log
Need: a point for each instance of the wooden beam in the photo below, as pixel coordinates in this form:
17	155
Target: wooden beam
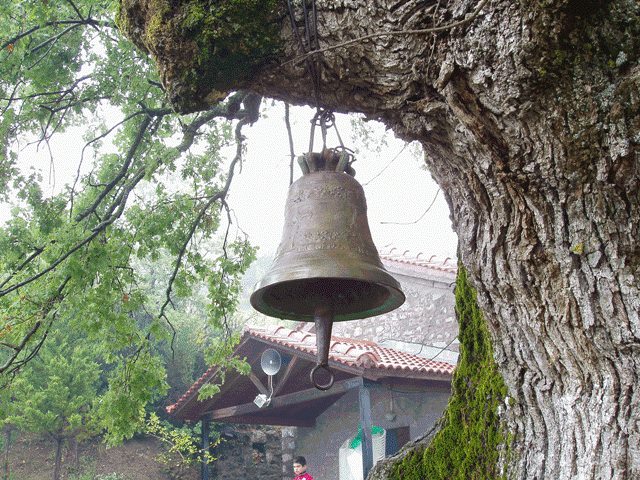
194	395
285	376
287	400
259	385
277	420
379	375
365	421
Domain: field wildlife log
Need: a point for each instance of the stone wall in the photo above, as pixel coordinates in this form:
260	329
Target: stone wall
425	324
289	435
248	452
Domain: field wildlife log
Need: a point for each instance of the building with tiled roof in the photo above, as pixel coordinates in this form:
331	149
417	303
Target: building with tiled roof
395	368
348	358
425	324
406	393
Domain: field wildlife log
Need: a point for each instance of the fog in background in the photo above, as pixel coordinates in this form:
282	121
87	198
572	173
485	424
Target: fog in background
405	208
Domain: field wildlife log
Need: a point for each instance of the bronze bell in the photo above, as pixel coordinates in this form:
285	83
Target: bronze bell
326	267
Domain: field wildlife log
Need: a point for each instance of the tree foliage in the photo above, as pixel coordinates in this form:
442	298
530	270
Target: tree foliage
56	393
149	185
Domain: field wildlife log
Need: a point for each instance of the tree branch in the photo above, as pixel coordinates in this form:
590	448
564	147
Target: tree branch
56	37
421	31
117	207
93	140
37	251
86	21
189	134
115	211
220	195
36	326
142	129
73	5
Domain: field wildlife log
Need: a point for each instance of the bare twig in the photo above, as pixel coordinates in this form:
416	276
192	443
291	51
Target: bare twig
419	218
386	166
433	357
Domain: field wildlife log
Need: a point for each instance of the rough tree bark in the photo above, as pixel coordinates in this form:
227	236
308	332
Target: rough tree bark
529	116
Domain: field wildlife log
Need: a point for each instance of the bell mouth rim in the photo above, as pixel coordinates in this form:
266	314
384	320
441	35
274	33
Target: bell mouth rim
394	300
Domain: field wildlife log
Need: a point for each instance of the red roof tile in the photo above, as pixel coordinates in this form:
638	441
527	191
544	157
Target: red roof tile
354	353
433	262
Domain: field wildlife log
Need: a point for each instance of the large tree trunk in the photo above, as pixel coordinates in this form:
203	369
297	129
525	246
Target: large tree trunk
529	116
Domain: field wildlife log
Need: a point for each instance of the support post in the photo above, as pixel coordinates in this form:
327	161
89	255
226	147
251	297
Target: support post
365	420
204	466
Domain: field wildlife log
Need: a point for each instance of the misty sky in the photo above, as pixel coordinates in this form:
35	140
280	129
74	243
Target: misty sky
398	189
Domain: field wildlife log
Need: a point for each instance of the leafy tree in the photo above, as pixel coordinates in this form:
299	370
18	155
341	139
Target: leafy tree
6	408
55	394
180	442
149	184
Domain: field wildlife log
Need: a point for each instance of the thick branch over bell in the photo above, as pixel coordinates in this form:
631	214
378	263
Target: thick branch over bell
326	261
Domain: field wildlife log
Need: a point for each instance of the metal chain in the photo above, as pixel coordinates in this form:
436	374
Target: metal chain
310	41
324	118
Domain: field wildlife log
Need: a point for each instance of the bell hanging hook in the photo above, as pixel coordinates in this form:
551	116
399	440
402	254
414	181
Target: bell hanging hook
325	119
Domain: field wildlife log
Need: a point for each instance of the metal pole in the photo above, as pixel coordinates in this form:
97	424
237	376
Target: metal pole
323	318
204	466
365	420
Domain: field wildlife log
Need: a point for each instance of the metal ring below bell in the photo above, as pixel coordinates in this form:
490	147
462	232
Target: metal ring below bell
312	376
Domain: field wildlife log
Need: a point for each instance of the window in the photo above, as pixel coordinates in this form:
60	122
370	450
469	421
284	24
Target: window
396	438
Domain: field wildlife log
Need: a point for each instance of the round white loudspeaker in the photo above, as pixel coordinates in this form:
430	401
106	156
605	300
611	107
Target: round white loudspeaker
270	362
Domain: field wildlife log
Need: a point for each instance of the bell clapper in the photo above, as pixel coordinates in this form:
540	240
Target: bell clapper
323	317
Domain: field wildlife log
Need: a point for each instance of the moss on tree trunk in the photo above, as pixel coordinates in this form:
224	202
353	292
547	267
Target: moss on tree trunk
471	437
